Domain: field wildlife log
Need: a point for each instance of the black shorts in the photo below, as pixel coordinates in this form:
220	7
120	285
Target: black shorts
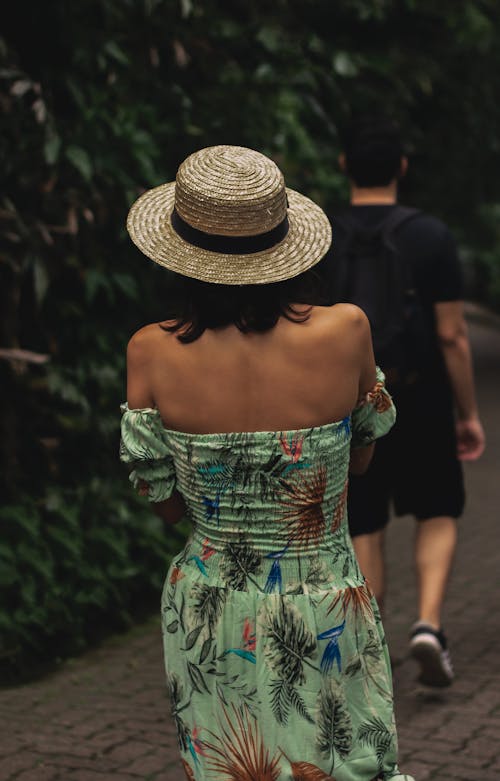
414	467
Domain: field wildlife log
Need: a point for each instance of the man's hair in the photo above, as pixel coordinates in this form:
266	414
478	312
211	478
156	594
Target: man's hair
373	151
193	306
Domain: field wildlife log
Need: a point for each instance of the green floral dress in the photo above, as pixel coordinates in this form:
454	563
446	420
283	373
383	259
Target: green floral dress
275	656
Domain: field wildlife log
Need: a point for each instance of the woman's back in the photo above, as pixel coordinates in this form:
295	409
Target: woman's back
265	607
296	375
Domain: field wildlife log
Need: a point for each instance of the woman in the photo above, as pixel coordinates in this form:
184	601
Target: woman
243	412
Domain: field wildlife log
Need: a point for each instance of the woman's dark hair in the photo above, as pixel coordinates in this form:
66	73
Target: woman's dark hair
373	151
195	306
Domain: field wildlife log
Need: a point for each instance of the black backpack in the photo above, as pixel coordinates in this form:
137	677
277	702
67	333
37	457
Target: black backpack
369	271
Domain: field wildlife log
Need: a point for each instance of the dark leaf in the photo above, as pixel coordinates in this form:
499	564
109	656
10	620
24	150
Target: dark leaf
205	649
192	637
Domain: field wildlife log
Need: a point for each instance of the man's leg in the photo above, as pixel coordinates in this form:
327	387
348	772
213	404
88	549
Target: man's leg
435	544
370	552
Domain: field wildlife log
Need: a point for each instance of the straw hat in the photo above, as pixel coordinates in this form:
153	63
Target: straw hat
228	218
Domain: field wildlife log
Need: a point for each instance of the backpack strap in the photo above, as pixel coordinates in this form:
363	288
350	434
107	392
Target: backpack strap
387	226
396	218
355	230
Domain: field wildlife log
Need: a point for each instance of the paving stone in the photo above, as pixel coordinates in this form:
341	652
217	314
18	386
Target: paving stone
41	773
128	751
14	763
149	764
421	771
89	775
96	763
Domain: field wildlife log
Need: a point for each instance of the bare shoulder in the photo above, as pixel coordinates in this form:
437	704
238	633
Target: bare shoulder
143	343
347	318
351	313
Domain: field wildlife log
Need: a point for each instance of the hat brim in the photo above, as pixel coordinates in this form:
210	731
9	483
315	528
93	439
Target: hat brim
307	241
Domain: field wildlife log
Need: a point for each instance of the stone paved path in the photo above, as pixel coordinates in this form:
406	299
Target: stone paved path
105	715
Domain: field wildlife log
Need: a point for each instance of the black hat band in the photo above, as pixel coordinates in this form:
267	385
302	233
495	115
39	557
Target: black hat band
229	245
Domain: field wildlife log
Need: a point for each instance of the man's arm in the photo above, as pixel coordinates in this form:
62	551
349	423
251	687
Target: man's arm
361	456
360	459
454	344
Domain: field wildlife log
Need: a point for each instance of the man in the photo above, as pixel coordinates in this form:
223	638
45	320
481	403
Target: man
417	466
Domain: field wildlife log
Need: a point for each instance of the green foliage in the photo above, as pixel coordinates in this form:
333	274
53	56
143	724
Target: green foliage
73	567
101	99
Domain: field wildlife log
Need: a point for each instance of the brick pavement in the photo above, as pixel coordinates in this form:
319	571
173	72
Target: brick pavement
105	715
455	733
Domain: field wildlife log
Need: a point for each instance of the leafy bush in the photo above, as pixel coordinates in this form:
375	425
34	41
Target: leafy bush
73	567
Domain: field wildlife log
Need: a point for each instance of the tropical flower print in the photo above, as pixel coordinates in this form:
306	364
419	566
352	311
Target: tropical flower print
196	745
212	506
292	444
248	642
274	579
331	653
175	575
276	662
206	552
378	398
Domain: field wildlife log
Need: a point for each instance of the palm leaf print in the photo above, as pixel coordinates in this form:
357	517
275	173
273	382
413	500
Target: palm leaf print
208	602
304	771
340	508
289	644
239	561
283	698
373	648
374	733
271	480
176	696
238	751
369	665
217	475
334	722
318	575
302	509
363	434
189	773
353	598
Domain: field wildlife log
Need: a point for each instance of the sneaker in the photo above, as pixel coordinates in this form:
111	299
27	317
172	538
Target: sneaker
429	647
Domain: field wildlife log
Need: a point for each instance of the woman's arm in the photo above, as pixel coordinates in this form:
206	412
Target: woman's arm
171	510
139	396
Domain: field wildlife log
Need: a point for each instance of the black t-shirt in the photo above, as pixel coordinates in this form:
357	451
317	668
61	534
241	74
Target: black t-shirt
427	245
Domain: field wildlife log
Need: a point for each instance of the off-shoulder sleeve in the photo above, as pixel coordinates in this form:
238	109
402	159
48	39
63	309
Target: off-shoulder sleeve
374	415
144	448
